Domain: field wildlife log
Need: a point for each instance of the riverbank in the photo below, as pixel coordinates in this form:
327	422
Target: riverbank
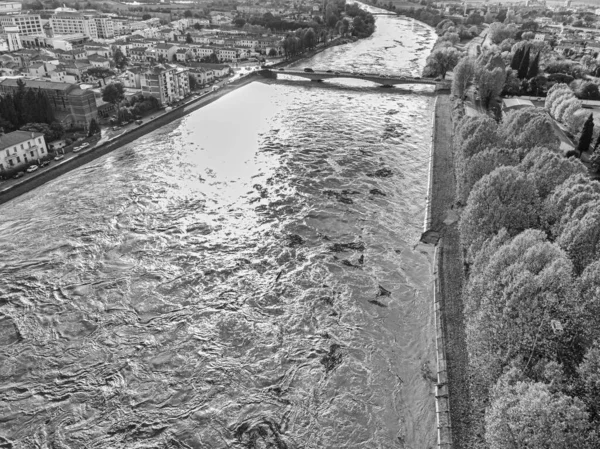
448	266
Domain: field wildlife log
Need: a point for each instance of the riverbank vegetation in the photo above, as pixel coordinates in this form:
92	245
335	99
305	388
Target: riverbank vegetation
530	233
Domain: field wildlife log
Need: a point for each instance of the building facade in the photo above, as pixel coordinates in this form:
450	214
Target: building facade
167	83
74	23
20	148
28	24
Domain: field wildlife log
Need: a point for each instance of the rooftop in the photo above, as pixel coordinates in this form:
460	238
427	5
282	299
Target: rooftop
12	82
16	137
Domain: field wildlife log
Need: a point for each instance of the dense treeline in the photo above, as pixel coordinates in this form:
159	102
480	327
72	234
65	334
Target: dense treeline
24	106
530	232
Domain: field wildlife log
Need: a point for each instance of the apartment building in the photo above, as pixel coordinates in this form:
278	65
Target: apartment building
28	24
166	82
105	27
11	39
20	148
74	23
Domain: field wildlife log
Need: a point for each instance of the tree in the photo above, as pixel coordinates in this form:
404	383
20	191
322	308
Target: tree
114	93
534	68
94	128
527	128
239	22
146	17
189	39
505	198
272	52
442	60
528	415
524	67
580	237
119	59
50	133
187	14
548	170
193	82
587	133
463	75
489	84
197	26
517	58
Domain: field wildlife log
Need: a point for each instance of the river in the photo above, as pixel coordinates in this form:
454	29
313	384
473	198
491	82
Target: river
246	277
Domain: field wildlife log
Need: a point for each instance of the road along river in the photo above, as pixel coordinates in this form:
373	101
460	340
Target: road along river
245	277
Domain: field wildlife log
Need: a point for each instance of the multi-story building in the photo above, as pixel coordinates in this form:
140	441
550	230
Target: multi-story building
20	148
166	51
28	24
166	82
74	23
105	27
73	104
11	38
226	54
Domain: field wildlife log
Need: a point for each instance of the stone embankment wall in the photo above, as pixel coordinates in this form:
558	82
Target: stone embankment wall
451	393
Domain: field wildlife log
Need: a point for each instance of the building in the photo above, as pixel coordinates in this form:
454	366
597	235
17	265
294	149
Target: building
20	148
105	27
10	7
166	82
28	24
74	23
69	103
12	38
166	51
217	70
99	61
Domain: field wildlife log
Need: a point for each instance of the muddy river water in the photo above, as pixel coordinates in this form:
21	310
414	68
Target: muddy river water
246	277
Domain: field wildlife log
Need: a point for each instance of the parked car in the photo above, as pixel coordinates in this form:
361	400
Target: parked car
59	157
32	168
76	149
329	71
281	69
84	145
43	164
19	175
308	69
116	128
139	122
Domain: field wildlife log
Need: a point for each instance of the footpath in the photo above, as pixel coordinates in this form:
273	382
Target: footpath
453	398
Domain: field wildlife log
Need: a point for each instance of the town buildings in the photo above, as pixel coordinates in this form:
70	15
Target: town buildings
166	82
18	149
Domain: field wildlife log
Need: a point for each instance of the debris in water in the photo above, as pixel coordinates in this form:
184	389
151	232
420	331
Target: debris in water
339	247
376	192
294	240
333	358
381	173
383	292
361	259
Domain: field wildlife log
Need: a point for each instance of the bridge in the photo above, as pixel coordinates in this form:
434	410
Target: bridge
384	14
383	80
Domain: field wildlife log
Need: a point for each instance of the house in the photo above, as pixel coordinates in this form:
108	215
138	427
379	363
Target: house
183	54
166	52
132	78
99	61
218	70
20	148
60	75
37	69
137	54
227	54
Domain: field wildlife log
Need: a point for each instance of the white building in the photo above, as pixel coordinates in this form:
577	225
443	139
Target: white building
166	82
74	23
11	38
21	148
28	24
10	7
105	27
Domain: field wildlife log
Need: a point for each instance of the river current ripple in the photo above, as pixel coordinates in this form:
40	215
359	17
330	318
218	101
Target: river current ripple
246	277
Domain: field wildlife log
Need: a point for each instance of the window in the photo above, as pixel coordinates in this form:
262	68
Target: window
31	153
18	160
11	162
22	147
7	153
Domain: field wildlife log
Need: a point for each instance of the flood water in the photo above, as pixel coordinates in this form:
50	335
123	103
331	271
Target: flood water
246	277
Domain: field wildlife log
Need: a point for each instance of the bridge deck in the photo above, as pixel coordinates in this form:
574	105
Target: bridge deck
376	78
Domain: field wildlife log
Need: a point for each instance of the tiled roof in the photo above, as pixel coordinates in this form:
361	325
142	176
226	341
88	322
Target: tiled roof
16	137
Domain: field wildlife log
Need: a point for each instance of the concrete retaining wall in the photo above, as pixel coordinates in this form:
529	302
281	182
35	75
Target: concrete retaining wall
427	222
442	405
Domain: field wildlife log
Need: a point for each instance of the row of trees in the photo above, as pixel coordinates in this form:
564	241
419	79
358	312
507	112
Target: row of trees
562	104
24	106
530	232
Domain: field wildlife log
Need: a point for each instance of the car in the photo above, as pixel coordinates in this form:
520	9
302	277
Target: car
76	149
32	168
116	128
308	69
43	164
59	157
417	77
19	175
139	122
329	71
281	69
85	145
538	99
